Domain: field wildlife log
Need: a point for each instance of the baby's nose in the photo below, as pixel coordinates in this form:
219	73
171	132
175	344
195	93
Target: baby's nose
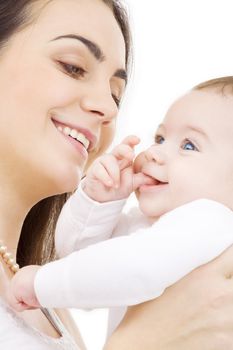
155	154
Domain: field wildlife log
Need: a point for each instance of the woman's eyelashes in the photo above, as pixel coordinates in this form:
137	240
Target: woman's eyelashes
188	145
77	72
116	99
72	70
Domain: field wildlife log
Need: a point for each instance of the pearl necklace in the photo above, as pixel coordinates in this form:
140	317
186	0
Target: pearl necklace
8	258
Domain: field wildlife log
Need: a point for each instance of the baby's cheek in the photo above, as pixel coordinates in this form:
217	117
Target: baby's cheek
180	188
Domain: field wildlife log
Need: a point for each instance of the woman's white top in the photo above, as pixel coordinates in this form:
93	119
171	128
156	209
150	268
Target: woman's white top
16	334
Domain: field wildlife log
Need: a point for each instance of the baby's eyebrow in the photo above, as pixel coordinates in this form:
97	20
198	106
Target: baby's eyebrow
196	129
159	129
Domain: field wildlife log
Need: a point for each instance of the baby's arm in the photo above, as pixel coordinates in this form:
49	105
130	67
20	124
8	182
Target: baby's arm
84	222
132	269
91	214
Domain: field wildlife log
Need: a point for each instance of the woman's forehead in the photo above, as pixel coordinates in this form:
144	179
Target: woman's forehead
91	19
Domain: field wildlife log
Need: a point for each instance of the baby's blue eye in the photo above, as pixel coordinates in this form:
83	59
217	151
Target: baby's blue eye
159	139
188	146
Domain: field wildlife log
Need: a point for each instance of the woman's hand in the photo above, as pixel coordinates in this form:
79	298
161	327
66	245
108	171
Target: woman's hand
196	313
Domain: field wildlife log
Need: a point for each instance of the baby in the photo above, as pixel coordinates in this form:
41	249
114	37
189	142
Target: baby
184	188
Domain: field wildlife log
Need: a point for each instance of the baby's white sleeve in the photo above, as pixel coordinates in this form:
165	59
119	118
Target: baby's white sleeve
132	269
83	222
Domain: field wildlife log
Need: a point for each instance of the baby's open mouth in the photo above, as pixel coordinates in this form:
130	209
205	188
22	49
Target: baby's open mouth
152	181
158	182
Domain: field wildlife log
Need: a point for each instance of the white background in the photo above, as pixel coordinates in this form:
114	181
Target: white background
177	44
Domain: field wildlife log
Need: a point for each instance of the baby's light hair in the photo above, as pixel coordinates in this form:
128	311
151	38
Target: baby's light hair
220	85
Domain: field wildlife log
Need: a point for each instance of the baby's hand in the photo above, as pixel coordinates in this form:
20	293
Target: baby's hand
21	295
110	177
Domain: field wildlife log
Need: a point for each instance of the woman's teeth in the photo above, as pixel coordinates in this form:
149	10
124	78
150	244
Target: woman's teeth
75	135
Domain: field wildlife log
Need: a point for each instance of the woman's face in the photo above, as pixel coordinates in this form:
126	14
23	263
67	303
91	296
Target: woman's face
60	79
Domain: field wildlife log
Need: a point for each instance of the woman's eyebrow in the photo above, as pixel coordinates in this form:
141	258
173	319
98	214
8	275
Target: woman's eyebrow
95	50
92	47
121	73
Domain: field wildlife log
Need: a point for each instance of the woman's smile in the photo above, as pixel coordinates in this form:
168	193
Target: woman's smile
81	138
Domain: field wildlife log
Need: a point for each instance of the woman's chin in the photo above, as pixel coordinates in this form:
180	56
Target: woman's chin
64	183
68	183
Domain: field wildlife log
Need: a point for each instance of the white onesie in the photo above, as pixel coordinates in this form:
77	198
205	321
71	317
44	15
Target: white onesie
120	260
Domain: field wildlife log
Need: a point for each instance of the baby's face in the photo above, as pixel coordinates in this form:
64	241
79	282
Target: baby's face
192	156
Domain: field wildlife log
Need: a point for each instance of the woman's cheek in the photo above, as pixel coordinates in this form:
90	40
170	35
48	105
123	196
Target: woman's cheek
106	138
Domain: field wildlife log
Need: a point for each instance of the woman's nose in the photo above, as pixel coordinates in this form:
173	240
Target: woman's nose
99	101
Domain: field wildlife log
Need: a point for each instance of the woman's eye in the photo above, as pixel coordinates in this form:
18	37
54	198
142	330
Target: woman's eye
116	99
72	70
187	145
159	139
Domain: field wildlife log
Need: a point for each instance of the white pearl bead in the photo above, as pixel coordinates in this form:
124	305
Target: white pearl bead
7	256
3	249
11	261
15	268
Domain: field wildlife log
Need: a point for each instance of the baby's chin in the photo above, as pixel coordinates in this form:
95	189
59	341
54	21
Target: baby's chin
153	213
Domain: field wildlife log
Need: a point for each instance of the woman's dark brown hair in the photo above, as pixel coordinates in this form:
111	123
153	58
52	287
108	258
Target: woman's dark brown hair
36	244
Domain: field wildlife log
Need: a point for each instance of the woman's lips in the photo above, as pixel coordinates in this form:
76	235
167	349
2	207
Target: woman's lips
84	135
79	147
